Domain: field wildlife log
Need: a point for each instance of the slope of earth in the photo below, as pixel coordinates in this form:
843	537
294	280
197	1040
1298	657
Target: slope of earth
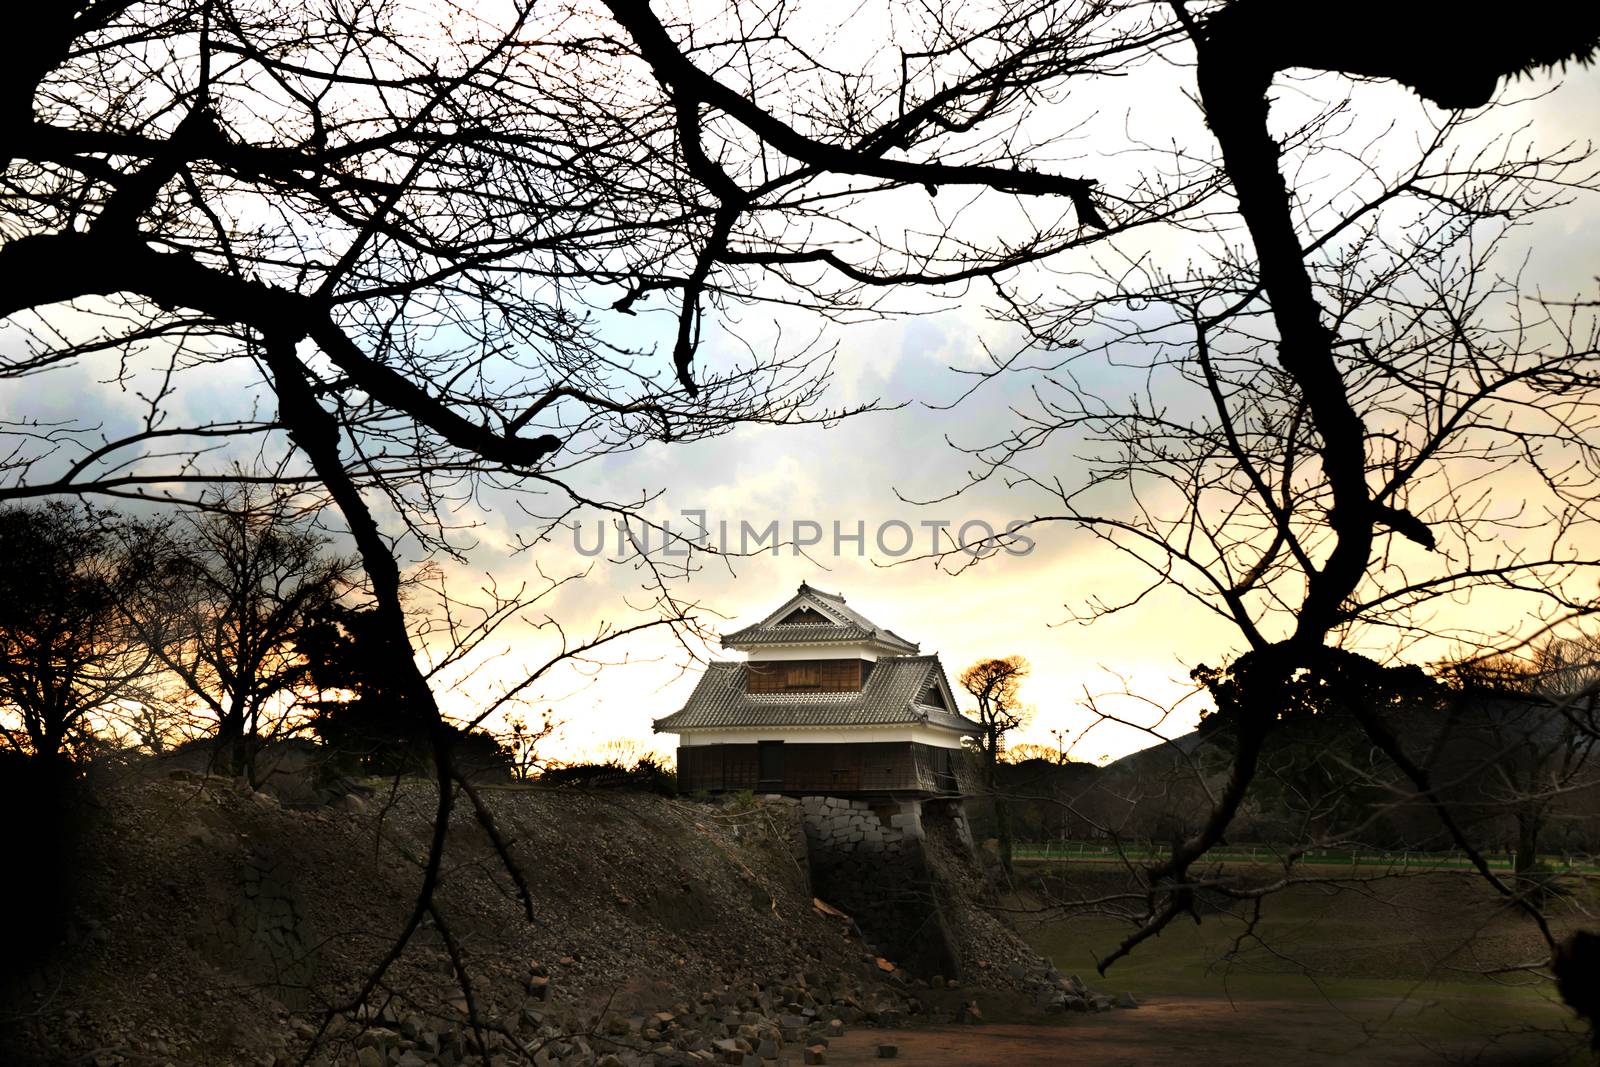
214	925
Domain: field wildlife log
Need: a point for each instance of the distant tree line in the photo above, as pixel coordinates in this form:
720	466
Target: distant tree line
223	629
1510	740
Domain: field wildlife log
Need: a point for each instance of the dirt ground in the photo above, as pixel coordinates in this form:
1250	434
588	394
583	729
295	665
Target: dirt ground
1258	1033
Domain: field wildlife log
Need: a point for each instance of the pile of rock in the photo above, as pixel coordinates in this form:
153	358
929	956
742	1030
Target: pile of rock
745	1025
1053	992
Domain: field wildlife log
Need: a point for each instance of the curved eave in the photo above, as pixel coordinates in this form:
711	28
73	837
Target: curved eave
970	729
816	727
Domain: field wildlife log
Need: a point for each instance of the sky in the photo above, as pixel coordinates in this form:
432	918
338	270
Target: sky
854	473
866	469
1133	666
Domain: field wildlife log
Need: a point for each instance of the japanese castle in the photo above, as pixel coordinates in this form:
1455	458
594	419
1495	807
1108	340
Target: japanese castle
825	702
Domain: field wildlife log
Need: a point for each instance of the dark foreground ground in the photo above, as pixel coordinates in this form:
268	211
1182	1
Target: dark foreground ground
1190	1030
215	925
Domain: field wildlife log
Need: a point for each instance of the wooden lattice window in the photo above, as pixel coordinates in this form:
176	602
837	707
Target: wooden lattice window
803	676
812	675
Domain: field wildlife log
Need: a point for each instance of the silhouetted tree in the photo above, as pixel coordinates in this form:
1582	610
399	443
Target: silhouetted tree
1533	718
67	653
1307	390
231	589
1036	752
1320	775
996	685
67	659
363	713
521	741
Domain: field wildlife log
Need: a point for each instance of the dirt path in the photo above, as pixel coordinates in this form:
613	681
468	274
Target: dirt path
1180	1030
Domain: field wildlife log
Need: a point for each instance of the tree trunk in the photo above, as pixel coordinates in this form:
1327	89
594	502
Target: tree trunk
229	755
50	741
42	856
1002	809
1528	825
1002	831
251	743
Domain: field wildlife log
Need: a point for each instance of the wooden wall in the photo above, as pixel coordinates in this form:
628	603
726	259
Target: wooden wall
830	769
804	676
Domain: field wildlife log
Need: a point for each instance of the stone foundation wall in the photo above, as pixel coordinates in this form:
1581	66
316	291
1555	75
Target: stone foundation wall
866	858
954	813
265	934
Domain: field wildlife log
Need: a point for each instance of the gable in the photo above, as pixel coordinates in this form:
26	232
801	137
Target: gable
812	616
805	617
937	692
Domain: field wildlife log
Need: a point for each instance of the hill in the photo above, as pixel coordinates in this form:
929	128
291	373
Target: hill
1516	773
217	925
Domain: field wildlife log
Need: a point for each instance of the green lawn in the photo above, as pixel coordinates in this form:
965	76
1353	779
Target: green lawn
1402	959
1362	860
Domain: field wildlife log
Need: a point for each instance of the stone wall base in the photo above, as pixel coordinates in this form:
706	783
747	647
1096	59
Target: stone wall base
866	858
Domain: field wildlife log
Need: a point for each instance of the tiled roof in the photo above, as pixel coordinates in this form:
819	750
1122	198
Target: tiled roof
890	697
845	624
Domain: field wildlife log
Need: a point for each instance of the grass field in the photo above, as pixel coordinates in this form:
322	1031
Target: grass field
1398	963
1364	860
